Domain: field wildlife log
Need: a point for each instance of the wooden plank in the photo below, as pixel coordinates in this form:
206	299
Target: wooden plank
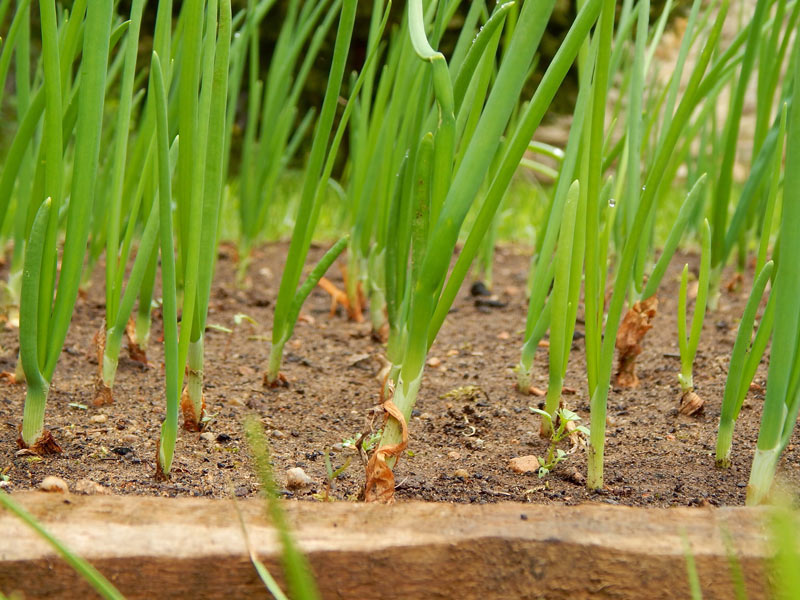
194	548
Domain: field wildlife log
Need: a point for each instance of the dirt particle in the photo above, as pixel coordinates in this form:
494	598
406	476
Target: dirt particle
524	464
90	488
54	484
297	478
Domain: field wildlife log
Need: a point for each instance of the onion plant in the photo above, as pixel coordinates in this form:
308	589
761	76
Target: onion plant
290	298
783	378
600	351
542	269
43	321
748	349
320	164
744	361
424	306
722	190
116	320
688	344
564	299
205	207
199	194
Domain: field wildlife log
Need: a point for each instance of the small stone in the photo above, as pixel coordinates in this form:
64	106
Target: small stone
524	464
477	444
54	484
297	478
207	436
130	438
338	447
278	434
463	473
99	418
503	335
454	455
426	416
434	362
90	488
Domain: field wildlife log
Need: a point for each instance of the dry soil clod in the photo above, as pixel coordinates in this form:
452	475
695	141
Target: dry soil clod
54	484
637	322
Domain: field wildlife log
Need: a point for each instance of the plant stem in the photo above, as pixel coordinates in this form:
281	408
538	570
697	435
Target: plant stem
194	381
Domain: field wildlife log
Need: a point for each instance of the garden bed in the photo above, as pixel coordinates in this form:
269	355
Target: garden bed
194	548
468	423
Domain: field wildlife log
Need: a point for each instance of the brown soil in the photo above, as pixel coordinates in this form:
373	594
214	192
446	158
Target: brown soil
461	439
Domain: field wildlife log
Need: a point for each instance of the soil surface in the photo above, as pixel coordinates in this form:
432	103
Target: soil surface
468	424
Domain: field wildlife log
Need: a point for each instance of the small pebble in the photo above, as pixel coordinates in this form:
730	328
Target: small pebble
207	436
524	464
463	473
434	362
297	478
130	438
454	455
54	484
90	488
99	419
278	434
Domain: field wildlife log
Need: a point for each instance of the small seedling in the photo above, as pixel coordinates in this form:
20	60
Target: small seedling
367	442
331	476
566	425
